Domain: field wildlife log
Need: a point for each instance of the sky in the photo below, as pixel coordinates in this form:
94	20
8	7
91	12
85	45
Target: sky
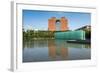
38	20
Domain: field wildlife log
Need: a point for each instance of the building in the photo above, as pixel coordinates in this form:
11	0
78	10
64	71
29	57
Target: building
86	27
58	24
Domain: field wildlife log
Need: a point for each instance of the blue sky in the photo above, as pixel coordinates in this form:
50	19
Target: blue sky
38	20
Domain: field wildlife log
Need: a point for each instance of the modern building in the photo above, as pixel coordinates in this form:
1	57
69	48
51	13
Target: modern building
86	27
55	24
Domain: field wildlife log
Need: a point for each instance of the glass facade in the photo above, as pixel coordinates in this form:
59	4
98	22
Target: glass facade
71	35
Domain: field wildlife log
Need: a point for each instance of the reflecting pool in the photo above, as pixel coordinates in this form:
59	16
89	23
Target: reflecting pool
54	50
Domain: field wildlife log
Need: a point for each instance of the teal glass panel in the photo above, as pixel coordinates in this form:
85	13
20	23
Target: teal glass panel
71	35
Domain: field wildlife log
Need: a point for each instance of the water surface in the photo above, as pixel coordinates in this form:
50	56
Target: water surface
54	50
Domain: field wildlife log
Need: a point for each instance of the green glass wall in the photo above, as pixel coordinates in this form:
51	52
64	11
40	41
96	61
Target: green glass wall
71	35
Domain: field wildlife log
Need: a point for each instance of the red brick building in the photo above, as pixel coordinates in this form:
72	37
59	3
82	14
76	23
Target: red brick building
58	24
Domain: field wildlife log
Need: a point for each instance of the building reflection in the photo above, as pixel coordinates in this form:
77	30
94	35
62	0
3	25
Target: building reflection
52	48
56	50
64	53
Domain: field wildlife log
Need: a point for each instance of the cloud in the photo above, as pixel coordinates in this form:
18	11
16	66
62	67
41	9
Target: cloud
28	27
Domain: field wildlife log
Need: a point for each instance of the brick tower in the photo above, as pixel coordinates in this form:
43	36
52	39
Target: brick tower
52	24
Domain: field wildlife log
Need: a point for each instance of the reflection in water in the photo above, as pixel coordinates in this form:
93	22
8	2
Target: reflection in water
54	50
35	43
